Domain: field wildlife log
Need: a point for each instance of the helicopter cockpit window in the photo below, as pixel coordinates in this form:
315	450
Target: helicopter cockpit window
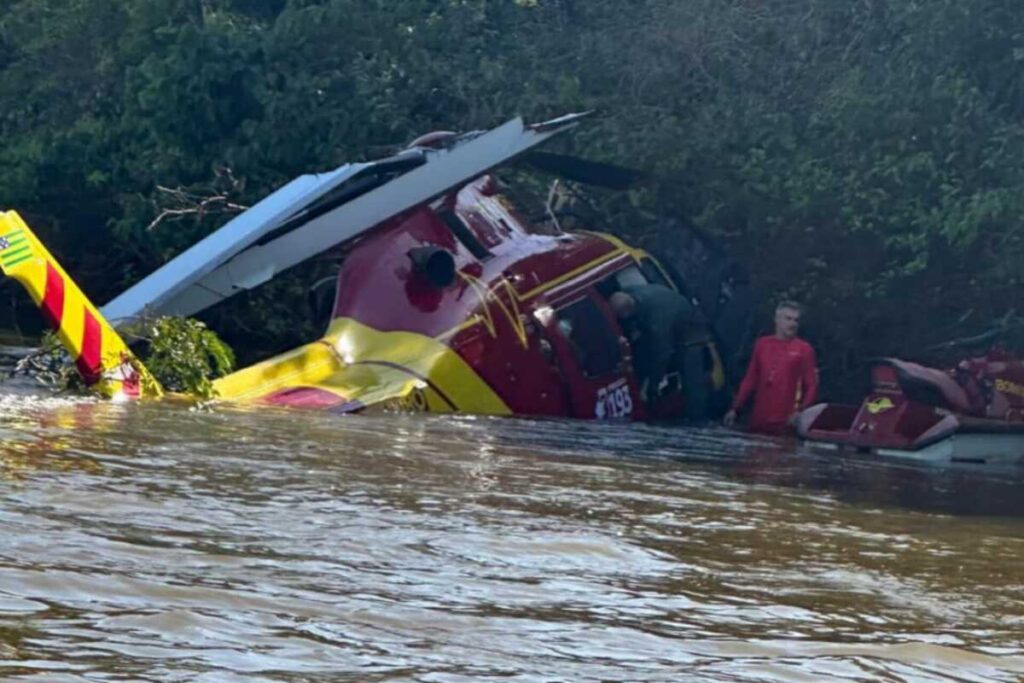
592	339
630	277
616	282
652	272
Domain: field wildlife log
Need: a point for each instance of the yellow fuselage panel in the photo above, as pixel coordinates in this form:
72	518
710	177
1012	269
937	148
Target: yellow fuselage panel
360	364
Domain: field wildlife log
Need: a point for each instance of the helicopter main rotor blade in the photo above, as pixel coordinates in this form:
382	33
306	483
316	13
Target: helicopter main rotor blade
314	213
584	170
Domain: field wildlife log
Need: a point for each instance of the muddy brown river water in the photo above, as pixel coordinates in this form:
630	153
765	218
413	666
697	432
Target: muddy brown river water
157	543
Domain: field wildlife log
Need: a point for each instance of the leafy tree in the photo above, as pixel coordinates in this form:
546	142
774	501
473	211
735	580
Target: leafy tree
862	156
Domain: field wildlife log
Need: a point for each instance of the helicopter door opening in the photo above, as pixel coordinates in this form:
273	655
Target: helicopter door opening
592	354
669	402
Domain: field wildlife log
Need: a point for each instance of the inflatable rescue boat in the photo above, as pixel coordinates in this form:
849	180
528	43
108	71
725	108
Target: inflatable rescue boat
973	413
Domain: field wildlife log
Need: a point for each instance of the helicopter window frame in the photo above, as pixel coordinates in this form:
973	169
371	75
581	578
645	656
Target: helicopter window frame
591	337
613	282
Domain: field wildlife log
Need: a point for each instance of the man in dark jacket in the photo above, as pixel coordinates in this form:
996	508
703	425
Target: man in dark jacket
668	334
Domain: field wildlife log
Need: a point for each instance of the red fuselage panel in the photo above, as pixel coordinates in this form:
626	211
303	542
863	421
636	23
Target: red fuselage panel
487	315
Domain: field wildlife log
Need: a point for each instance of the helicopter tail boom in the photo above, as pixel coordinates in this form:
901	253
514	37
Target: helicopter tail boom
101	356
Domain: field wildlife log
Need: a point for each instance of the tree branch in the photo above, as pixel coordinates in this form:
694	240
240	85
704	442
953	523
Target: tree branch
185	203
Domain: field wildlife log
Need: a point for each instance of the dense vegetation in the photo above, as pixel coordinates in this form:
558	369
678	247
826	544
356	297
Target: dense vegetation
863	156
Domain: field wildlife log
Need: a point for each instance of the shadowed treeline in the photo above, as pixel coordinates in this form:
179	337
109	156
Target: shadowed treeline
862	156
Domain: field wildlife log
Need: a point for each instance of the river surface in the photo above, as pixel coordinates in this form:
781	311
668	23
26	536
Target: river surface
159	543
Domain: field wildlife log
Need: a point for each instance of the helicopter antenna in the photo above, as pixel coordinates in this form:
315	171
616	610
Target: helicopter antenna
554	196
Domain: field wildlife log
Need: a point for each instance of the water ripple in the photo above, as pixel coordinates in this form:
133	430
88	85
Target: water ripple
157	543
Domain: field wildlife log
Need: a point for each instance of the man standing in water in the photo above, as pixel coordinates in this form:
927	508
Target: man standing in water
668	335
782	376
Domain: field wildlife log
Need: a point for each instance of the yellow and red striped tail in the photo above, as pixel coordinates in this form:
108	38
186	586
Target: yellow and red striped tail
101	356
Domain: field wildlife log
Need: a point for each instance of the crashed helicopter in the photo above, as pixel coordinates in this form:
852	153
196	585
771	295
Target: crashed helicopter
446	300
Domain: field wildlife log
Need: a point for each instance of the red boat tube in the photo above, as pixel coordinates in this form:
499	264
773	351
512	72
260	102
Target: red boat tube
970	414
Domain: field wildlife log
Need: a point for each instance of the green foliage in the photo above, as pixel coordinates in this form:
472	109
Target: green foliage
862	156
51	366
184	355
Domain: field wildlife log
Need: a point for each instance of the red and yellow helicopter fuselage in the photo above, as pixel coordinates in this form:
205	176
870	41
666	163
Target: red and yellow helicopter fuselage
521	326
446	299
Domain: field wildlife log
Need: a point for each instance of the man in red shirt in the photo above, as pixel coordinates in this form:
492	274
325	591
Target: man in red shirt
782	376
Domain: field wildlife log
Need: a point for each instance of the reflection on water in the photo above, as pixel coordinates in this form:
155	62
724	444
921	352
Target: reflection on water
151	542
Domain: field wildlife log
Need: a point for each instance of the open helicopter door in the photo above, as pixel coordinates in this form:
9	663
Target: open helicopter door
594	360
314	213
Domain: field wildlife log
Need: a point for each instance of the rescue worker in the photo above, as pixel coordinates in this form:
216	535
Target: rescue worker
782	376
668	334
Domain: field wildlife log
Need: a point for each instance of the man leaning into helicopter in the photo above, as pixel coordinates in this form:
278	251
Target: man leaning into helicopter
668	335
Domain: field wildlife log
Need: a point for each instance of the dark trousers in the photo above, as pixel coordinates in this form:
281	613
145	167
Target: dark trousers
695	385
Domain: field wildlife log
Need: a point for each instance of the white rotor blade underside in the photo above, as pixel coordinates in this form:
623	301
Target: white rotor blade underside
229	261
